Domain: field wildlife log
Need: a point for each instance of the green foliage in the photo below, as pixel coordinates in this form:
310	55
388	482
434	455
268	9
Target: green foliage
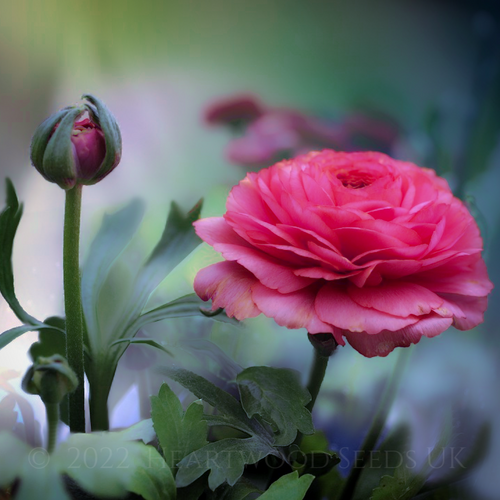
226	459
104	464
150	342
404	484
9	221
179	432
177	241
276	395
289	487
113	237
230	410
391	454
262	388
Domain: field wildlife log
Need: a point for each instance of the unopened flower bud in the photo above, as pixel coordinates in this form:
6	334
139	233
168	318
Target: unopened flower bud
68	150
51	378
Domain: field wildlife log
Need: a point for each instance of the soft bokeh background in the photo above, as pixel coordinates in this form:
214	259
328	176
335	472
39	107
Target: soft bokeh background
433	65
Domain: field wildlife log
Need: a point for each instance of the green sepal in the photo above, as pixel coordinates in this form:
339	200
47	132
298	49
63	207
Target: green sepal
102	117
58	159
51	378
42	135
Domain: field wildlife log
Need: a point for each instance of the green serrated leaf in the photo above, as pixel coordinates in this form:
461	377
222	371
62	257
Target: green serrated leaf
276	395
150	342
205	390
177	241
180	433
289	487
114	235
226	459
9	221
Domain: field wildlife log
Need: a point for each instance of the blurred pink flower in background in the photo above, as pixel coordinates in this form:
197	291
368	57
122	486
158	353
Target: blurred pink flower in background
270	134
234	111
356	244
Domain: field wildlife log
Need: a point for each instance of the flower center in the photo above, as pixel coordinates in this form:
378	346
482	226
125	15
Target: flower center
355	179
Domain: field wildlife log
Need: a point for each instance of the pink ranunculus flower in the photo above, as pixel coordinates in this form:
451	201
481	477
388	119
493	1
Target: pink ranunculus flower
373	250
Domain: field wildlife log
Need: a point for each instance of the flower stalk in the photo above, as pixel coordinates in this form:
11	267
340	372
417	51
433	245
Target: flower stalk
73	305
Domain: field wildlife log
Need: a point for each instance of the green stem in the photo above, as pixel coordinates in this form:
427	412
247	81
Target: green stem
52	411
376	428
73	305
100	384
316	376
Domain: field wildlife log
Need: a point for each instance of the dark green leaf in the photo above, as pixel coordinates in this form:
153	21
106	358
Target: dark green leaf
226	459
9	221
114	235
289	487
276	395
150	342
177	241
179	432
205	390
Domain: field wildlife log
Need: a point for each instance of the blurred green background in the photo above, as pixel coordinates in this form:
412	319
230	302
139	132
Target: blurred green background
433	65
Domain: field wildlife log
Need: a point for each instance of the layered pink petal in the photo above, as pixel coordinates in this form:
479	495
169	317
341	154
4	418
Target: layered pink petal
397	298
385	342
334	306
228	285
265	268
293	310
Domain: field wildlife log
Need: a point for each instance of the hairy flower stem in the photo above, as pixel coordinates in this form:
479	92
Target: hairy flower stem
376	428
52	412
73	305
